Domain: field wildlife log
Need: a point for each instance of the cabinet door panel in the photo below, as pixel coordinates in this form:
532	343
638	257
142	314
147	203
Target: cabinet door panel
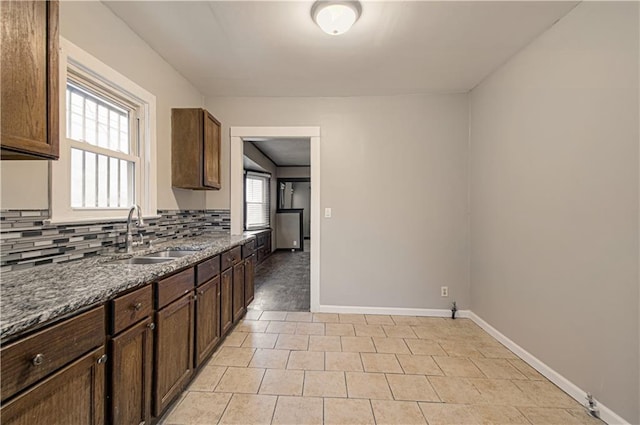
74	395
211	164
226	300
238	291
207	319
29	48
174	351
249	281
132	357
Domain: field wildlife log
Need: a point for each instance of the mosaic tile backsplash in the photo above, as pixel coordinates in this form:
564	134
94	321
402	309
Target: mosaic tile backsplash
26	241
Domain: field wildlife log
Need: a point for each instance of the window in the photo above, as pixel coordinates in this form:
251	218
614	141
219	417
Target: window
101	132
256	200
106	140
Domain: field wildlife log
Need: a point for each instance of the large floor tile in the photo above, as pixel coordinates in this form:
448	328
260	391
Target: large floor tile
298	411
425	347
303	328
355	319
324	343
378	319
448	414
455	390
339	329
545	394
498	369
324	384
369	330
233	356
240	380
281	328
249	409
501	392
260	340
411	388
389	412
282	382
368	385
390	345
299	316
456	366
198	409
399	331
348	362
551	416
272	359
292	342
326	317
306	360
207	378
357	344
384	363
424	365
347	411
499	415
273	315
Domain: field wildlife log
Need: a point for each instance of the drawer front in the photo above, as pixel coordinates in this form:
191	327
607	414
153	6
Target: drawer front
208	269
30	359
260	240
248	248
231	257
175	286
131	308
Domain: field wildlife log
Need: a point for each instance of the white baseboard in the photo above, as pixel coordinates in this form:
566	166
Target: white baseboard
397	311
606	414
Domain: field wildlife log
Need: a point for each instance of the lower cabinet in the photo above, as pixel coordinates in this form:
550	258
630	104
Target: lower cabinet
226	301
73	395
238	291
207	319
132	361
249	280
174	351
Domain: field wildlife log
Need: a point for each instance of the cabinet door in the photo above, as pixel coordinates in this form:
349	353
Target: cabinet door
211	151
29	79
238	291
207	319
249	282
74	395
132	358
174	351
226	301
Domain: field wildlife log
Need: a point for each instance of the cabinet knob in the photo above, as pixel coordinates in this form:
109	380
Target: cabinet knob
137	306
37	360
151	326
201	292
102	359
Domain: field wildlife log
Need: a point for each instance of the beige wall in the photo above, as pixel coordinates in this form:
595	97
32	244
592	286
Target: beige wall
94	28
554	201
394	170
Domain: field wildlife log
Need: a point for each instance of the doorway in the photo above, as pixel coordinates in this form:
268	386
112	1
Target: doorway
312	135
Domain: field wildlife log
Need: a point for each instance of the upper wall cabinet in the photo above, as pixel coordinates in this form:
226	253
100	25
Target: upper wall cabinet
29	79
195	149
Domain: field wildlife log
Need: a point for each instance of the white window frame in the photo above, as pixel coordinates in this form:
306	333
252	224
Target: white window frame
267	192
90	68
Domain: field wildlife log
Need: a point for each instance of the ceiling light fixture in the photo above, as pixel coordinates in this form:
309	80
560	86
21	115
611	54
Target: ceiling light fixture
335	17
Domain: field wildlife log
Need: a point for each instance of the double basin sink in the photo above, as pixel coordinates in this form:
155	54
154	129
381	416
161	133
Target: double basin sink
156	257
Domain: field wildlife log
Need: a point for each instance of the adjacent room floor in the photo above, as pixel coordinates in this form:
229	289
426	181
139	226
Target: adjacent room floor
282	282
303	368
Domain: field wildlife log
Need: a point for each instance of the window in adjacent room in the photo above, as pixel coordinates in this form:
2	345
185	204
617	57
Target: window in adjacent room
256	200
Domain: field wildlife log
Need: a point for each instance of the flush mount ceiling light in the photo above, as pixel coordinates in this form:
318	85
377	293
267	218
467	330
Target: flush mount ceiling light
335	17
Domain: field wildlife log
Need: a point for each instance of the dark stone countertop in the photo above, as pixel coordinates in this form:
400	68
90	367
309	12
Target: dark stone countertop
34	296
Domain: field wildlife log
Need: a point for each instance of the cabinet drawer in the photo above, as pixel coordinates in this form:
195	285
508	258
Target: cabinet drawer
131	308
231	257
208	269
248	248
30	359
260	240
175	286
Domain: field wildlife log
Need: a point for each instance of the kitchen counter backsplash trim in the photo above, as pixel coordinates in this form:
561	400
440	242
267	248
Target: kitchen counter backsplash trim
27	242
38	295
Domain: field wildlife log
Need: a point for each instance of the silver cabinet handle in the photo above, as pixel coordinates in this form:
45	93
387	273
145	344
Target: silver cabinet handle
151	326
137	306
102	359
38	359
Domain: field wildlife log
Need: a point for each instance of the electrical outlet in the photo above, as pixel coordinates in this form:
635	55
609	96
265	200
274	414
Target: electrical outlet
295	243
444	291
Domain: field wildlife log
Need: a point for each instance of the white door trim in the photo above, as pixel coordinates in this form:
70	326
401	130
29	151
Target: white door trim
236	174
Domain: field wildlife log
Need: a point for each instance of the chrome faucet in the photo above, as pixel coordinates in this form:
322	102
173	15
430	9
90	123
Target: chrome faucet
129	244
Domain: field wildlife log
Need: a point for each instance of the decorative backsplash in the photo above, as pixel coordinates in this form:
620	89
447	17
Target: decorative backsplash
27	242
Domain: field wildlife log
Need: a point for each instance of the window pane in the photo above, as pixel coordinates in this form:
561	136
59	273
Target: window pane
90	179
103	181
256	201
77	177
96	120
114	185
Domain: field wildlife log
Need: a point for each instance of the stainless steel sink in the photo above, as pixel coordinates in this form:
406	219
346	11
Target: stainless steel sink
172	253
144	260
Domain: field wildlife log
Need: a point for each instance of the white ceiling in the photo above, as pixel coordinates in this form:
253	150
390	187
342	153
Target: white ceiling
273	48
285	152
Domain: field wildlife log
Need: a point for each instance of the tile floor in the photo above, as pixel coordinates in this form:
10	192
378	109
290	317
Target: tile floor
303	368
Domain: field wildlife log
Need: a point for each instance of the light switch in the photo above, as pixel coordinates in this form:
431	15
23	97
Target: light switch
327	213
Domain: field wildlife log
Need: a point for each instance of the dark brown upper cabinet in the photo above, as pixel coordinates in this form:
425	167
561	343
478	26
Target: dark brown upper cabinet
29	79
195	149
